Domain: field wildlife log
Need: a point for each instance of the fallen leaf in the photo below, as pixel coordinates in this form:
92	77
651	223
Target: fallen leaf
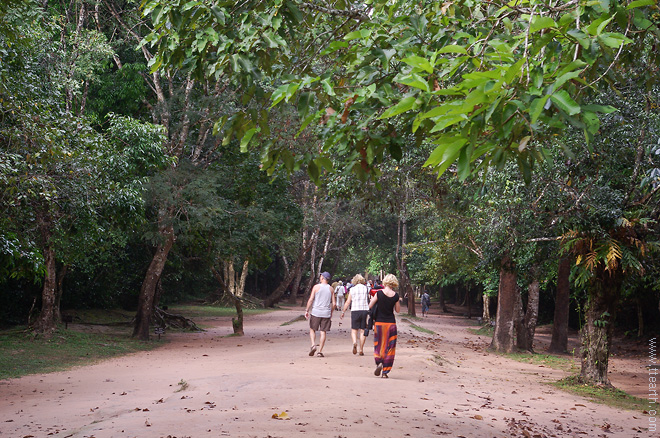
282	416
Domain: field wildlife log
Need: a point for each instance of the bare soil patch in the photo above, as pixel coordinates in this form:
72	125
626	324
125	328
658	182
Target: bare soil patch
211	384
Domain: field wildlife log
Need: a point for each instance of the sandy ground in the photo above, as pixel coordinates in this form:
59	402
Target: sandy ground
236	384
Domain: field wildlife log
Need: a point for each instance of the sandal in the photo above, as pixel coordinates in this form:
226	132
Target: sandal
354	348
312	350
319	354
384	376
379	368
361	353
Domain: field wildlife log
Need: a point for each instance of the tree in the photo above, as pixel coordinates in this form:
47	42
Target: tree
59	174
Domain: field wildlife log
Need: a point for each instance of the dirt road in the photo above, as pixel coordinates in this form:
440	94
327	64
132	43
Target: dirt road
211	385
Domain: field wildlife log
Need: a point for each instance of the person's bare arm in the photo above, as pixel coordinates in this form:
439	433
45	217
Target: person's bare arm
373	301
346	304
397	306
334	303
310	301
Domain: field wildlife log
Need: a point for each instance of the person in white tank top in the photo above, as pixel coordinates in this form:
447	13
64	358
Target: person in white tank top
319	309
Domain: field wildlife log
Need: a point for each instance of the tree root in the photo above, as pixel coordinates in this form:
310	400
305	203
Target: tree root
169	320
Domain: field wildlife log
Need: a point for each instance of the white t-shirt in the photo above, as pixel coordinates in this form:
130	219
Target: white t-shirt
359	297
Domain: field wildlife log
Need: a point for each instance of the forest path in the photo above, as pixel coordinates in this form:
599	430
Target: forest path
236	384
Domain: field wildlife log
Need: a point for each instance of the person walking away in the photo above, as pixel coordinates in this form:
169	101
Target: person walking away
426	303
319	312
358	301
385	333
377	286
341	293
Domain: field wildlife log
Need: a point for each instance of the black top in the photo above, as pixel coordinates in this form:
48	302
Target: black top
386	307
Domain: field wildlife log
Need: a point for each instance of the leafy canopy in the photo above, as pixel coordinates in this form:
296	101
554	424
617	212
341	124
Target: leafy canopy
484	81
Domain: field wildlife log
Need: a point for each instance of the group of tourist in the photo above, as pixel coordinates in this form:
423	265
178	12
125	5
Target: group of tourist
366	308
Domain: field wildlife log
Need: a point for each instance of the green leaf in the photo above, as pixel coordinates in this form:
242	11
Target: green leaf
325	163
581	37
313	171
640	3
463	165
419	62
453	49
327	87
539	23
414	80
279	94
445	154
218	14
334	46
591	121
246	139
406	104
604	109
536	108
562	100
443	122
561	80
514	71
614	40
364	33
304	100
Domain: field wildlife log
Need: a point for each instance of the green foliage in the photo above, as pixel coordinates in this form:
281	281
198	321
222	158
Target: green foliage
483	82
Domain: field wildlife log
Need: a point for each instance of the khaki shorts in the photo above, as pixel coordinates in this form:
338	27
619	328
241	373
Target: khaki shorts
316	323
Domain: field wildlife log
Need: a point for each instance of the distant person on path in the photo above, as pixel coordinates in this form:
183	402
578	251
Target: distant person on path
341	292
373	289
426	303
319	309
358	301
385	334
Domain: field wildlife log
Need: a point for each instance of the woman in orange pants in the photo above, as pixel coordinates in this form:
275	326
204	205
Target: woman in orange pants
385	335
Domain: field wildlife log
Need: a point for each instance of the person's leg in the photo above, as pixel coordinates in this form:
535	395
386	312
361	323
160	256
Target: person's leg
322	341
354	338
312	336
363	339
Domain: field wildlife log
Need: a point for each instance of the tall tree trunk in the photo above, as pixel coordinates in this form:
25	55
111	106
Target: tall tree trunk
640	318
151	279
312	269
559	342
59	291
405	287
527	326
503	339
295	286
46	322
597	331
236	288
237	322
485	315
293	272
441	300
467	300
